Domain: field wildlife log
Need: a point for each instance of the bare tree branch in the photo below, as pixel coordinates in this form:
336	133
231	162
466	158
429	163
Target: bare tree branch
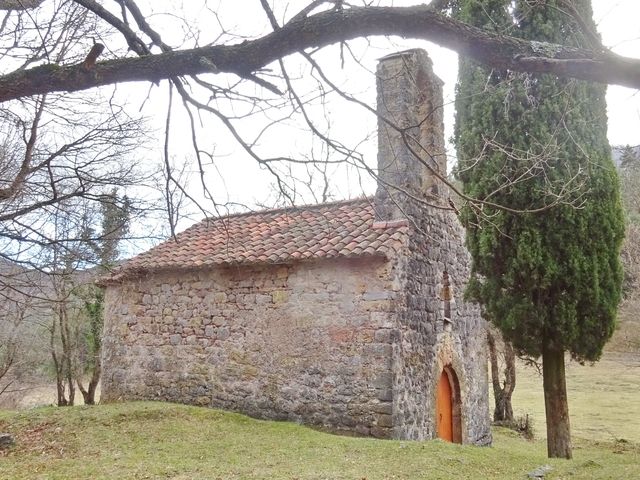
25	167
326	28
19	4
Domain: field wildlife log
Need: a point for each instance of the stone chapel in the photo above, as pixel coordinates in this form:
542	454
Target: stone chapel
347	316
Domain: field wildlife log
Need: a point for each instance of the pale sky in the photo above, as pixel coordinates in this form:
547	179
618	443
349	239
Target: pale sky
245	183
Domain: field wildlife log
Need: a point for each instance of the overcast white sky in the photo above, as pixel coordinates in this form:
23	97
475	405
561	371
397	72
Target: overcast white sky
618	22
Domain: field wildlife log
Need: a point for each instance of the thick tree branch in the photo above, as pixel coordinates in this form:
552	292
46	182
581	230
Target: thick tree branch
328	28
19	4
144	25
135	44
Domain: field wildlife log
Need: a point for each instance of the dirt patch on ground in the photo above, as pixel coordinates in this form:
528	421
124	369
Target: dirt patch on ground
45	438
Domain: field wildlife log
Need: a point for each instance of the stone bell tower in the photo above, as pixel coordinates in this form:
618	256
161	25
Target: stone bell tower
440	385
411	149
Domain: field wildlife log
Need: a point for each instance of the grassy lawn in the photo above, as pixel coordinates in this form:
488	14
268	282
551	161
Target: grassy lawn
156	440
166	441
604	399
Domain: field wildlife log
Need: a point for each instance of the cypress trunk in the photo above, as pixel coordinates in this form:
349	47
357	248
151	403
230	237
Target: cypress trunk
555	403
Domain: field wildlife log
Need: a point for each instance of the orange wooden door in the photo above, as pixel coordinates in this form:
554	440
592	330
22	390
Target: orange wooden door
444	413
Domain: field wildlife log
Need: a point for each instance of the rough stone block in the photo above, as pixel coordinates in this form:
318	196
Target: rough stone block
383	335
384	395
358	320
384	407
223	333
6	441
384	420
379	350
372	296
380	432
280	296
347	306
262	299
378	306
383	380
365	335
219	297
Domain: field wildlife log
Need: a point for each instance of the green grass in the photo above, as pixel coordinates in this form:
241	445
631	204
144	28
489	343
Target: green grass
604	399
166	441
156	440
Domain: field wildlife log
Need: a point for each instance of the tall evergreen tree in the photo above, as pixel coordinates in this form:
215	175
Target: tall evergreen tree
547	273
480	103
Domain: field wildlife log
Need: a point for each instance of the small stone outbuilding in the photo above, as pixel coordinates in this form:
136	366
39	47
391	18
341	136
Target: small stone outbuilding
347	315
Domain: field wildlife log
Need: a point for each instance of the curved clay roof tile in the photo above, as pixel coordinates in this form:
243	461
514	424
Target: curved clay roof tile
278	236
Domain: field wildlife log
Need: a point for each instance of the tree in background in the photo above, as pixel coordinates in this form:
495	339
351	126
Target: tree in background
630	182
501	353
629	165
629	159
115	222
77	302
548	275
22	347
55	182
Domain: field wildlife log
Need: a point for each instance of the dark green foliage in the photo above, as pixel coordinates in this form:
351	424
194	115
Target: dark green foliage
549	273
116	216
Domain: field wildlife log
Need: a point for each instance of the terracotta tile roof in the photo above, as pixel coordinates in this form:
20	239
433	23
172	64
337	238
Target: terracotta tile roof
340	229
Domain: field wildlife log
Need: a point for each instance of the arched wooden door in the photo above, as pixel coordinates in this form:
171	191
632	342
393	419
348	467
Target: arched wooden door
444	408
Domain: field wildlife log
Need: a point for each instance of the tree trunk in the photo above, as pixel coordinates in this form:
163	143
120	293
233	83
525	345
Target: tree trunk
555	403
89	394
65	339
502	394
62	360
61	400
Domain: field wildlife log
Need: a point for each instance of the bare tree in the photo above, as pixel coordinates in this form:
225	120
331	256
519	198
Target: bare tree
502	359
21	344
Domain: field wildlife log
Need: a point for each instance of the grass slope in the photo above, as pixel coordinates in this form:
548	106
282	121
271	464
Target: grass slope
604	398
155	440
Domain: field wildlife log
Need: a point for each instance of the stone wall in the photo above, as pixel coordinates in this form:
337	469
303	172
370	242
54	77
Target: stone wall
426	343
350	344
308	342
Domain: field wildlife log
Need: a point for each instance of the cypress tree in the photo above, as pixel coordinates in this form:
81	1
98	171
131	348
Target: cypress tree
547	273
